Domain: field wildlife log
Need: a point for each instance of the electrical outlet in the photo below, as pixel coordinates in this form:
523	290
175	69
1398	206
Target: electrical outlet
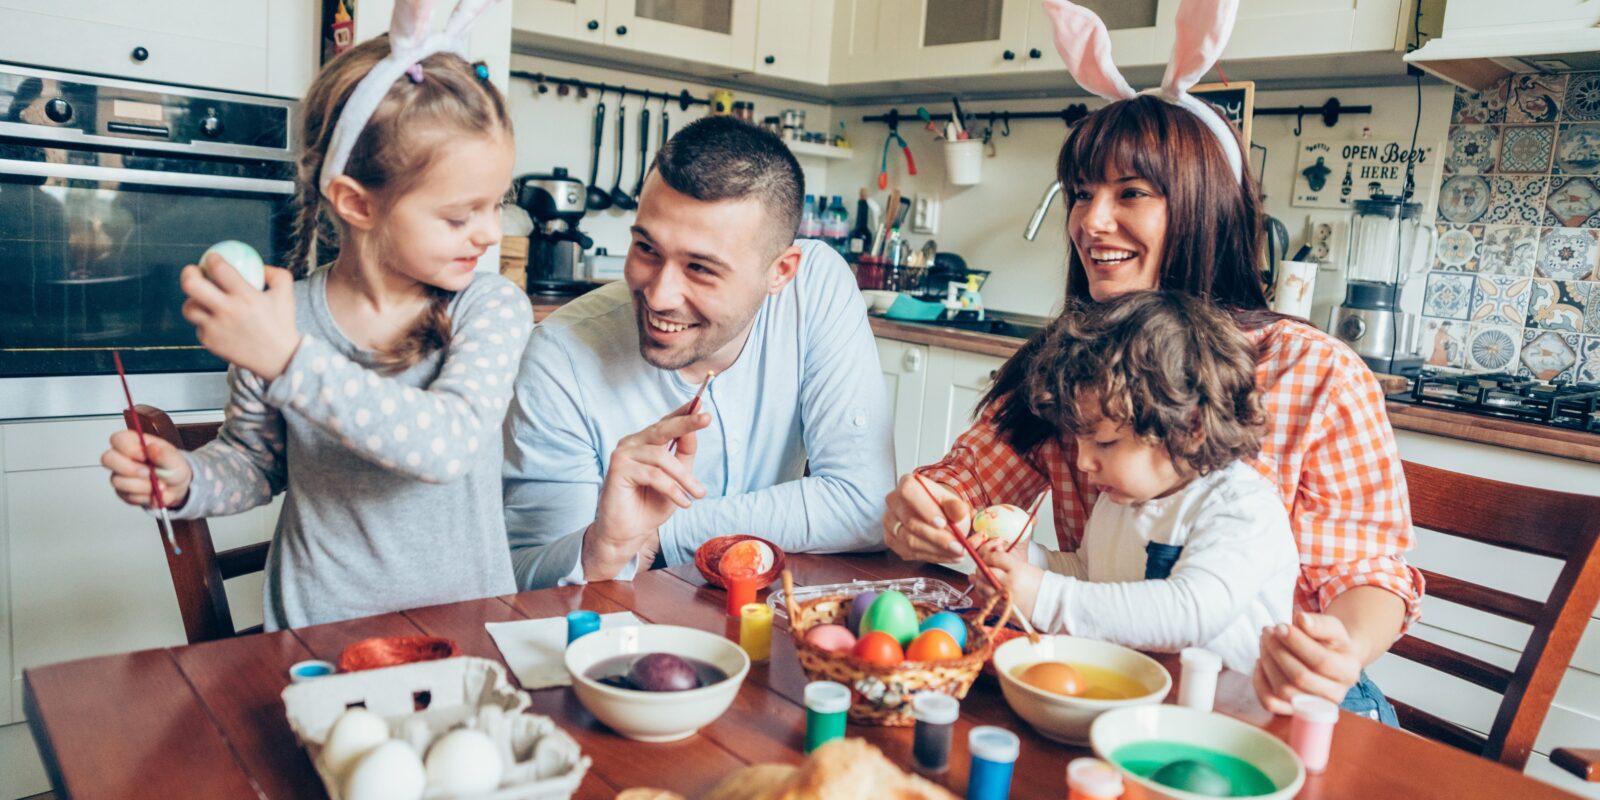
925	213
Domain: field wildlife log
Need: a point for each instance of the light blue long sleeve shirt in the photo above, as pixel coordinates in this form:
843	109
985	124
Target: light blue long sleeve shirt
807	386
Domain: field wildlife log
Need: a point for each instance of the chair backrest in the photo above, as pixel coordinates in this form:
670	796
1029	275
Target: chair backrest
1552	524
199	572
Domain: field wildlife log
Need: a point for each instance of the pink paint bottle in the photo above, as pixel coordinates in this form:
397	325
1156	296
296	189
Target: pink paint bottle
1311	733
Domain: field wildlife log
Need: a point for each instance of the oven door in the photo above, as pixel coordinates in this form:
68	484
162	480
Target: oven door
91	244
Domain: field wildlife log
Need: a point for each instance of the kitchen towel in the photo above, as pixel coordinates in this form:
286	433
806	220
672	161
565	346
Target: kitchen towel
534	648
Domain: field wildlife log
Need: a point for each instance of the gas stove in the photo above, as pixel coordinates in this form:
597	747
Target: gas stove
1575	406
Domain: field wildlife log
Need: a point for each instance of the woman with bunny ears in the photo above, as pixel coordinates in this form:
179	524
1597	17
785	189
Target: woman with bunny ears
373	389
1159	195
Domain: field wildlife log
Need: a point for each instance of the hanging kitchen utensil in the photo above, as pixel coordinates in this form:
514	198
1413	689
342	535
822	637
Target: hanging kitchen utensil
665	125
620	198
644	149
597	198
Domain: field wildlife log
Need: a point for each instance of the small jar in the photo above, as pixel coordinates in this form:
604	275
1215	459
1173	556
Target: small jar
936	715
1093	779
1311	733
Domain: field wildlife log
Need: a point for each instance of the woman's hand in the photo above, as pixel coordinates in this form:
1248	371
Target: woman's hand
914	525
130	472
250	328
1012	569
1314	656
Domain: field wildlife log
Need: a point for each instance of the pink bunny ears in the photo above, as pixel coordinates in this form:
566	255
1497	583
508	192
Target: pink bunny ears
1203	27
409	43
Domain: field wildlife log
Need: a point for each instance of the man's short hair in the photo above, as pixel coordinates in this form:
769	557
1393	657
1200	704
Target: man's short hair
721	158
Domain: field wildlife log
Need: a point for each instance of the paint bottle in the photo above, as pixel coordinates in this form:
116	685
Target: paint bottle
581	624
741	590
1092	779
936	715
308	670
1198	687
826	704
994	754
755	630
1311	733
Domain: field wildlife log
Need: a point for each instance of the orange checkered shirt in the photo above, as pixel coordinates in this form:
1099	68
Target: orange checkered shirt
1327	445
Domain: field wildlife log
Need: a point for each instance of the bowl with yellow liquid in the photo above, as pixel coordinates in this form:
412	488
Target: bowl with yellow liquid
1062	683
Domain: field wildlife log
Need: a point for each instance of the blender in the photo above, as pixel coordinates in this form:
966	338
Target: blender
1388	245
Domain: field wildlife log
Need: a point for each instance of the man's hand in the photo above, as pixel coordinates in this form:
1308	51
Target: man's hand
644	485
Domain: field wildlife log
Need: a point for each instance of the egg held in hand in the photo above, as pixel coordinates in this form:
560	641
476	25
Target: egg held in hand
243	258
1004	522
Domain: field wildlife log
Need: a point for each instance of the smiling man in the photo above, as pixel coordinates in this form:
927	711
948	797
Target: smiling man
606	471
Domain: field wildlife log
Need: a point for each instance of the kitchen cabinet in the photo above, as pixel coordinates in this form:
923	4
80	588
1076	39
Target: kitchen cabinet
580	20
240	45
720	32
1306	28
968	37
792	40
870	40
905	375
1130	23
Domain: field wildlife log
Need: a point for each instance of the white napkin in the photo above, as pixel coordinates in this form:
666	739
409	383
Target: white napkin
534	648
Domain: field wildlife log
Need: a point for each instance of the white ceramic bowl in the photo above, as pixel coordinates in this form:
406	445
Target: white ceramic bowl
1063	718
656	716
1125	726
879	300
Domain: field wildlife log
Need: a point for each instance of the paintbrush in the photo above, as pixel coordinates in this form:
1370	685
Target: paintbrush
1033	511
988	574
155	485
694	405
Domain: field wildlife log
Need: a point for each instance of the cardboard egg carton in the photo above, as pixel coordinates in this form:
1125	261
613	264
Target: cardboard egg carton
538	759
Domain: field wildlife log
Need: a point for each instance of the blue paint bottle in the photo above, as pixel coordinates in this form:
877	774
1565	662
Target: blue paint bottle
994	753
581	624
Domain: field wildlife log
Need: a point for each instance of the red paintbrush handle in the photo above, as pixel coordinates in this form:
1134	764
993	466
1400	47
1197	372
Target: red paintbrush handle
138	428
962	540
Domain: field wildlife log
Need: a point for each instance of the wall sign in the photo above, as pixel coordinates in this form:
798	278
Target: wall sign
1334	174
1236	102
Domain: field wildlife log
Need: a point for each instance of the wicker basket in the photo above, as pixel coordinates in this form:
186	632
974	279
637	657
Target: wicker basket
881	695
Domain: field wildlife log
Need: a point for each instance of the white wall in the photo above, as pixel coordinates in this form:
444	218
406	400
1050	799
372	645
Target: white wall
554	131
984	223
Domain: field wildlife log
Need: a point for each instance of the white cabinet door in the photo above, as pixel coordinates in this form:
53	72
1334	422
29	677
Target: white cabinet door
872	40
1300	28
905	375
792	40
583	20
721	32
969	37
1131	23
956	382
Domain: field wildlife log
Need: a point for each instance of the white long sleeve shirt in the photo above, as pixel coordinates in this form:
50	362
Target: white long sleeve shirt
1235	576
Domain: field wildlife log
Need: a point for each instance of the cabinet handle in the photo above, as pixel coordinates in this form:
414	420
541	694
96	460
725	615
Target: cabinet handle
770	59
593	25
993	373
622	30
140	54
1009	55
1034	52
912	360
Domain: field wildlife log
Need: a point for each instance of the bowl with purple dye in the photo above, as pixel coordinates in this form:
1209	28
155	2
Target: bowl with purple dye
656	683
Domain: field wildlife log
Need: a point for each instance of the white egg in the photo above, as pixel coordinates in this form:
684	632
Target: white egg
464	762
1005	522
354	734
392	771
243	258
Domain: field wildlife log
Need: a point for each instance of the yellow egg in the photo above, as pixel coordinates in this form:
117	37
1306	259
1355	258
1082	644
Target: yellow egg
1054	677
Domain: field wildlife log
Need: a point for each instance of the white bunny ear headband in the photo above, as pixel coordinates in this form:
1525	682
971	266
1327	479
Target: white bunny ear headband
1203	27
409	44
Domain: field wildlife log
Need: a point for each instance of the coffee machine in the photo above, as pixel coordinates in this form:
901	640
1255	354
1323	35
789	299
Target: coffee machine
1388	244
555	247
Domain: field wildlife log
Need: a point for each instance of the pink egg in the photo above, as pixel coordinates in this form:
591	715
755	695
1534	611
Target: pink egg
833	638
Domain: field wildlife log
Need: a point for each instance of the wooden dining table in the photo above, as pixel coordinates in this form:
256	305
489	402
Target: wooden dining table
207	721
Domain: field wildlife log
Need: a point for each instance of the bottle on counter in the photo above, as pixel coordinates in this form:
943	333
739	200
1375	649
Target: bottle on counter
810	222
861	235
836	225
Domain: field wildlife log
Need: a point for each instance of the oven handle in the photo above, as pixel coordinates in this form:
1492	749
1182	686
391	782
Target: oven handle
86	172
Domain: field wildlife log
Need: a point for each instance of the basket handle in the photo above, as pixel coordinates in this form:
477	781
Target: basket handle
1005	615
788	601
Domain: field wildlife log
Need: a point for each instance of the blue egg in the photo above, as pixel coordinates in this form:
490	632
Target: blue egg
949	623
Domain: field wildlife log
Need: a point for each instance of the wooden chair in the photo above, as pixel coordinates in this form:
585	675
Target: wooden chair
1528	520
198	574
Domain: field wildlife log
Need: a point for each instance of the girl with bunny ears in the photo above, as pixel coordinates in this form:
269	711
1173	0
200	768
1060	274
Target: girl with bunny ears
1159	195
373	389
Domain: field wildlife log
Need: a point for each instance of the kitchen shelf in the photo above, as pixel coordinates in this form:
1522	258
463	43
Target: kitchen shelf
803	149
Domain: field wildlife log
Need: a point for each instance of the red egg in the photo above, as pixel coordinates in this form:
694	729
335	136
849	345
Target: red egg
879	648
933	645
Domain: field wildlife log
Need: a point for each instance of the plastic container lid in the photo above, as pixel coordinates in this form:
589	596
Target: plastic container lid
307	670
1094	777
935	708
1315	709
827	697
992	743
1201	659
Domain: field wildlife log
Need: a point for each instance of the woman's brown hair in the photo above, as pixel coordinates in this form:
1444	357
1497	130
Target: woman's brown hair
392	153
1167	364
1213	237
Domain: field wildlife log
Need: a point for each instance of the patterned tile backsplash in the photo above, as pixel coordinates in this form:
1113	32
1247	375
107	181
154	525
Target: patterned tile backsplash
1515	284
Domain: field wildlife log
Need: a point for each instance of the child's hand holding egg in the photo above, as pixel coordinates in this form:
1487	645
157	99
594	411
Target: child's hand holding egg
243	315
242	257
1004	522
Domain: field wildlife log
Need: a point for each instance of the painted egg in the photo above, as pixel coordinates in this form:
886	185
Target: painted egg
1005	522
949	623
858	608
748	557
243	258
893	614
1196	777
934	645
878	648
833	638
1054	677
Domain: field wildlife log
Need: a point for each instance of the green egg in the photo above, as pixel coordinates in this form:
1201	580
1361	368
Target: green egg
1193	776
893	614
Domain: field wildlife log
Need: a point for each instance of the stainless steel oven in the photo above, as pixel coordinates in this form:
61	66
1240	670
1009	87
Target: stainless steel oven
107	189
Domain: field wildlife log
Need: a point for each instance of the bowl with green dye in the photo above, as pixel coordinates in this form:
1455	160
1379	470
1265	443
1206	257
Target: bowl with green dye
1179	753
